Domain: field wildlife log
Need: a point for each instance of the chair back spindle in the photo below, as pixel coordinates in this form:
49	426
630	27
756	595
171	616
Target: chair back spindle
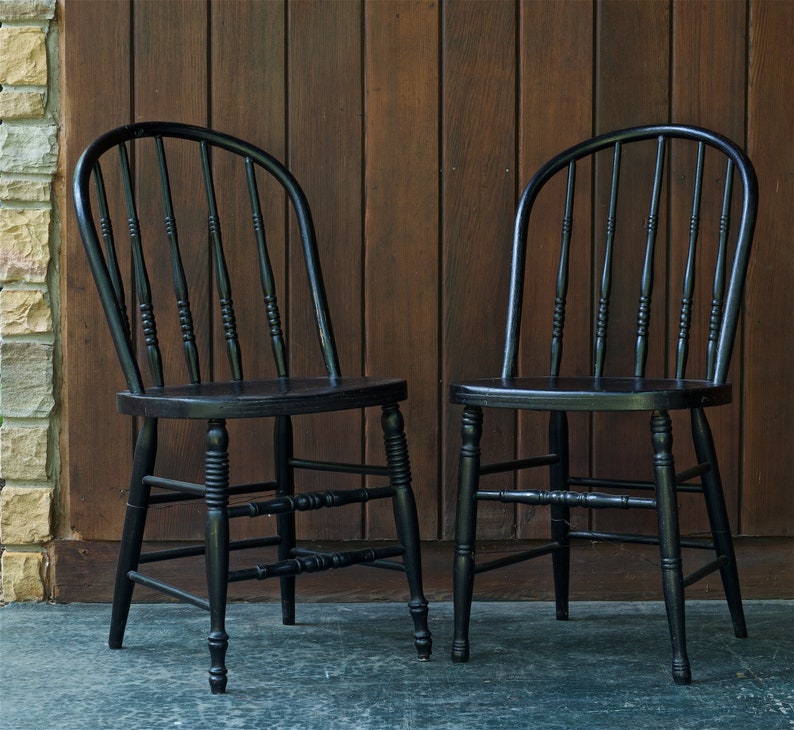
720	270
178	270
644	310
689	274
142	283
112	264
602	324
267	280
221	270
562	273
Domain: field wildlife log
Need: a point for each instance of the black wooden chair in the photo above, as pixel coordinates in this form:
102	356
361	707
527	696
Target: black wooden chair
616	199
187	362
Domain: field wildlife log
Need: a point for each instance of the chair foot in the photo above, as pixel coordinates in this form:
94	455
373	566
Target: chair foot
460	652
288	613
218	686
422	636
287	600
122	598
682	674
218	643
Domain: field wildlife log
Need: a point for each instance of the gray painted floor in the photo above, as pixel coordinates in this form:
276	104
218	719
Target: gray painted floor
352	666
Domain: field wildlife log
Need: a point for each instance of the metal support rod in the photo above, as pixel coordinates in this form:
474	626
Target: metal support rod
169	590
339	467
517	557
707	569
193	550
528	463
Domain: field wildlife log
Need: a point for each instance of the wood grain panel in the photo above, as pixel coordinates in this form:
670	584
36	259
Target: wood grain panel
708	76
94	466
325	128
478	202
401	270
247	45
631	87
767	506
556	111
161	33
84	572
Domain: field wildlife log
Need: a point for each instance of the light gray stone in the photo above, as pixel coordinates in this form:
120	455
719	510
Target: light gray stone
26	371
14	189
27	9
28	148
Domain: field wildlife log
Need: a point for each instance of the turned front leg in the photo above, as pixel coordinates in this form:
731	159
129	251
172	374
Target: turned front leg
670	542
217	548
406	522
465	530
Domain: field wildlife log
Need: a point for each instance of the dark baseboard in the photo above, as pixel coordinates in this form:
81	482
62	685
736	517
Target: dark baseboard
83	572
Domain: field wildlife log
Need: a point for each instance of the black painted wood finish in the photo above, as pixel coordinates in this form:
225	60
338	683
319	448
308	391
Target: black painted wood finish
649	368
127	176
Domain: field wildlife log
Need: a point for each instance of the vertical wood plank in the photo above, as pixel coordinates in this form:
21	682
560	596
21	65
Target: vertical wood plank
401	150
631	87
95	485
171	83
325	154
708	81
478	203
767	507
556	111
248	99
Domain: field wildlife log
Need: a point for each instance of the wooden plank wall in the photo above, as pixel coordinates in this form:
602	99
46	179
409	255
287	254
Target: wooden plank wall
413	125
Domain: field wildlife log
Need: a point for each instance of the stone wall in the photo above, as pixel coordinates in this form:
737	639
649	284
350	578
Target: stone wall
28	293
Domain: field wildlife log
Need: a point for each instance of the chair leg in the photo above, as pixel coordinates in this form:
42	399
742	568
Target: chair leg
217	548
406	522
465	530
670	542
560	514
285	476
718	518
132	534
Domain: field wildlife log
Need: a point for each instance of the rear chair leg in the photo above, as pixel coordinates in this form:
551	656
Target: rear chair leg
134	525
406	522
217	552
285	475
560	514
669	542
718	518
466	529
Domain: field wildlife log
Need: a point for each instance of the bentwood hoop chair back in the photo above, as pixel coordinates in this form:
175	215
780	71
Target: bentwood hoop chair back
173	217
648	232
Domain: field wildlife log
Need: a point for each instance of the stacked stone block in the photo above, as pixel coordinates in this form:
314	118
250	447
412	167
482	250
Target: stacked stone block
28	291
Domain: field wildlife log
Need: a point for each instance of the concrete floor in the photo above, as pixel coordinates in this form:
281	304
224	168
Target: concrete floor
352	666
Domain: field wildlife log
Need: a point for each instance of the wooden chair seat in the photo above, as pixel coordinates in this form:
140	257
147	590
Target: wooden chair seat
262	398
587	393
